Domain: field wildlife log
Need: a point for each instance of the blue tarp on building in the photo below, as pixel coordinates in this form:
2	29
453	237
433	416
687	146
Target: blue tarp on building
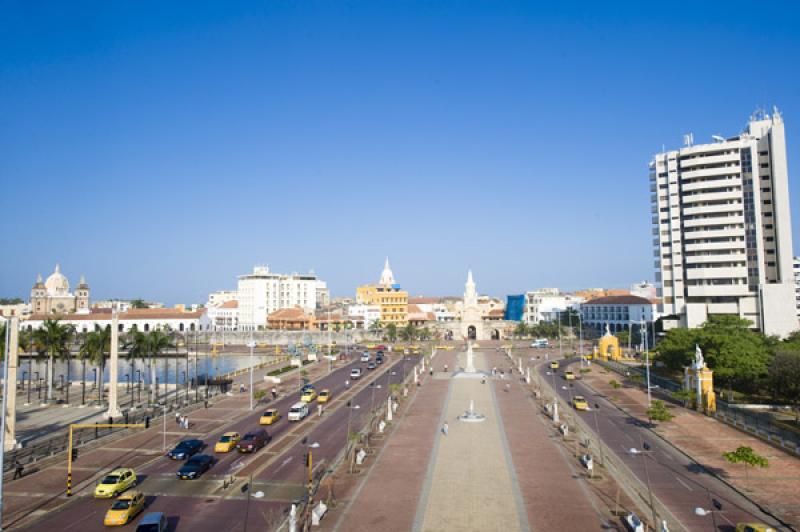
515	307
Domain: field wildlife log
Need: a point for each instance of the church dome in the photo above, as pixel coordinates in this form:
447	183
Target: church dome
57	284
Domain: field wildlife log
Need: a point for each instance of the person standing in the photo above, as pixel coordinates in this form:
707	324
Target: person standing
445	428
19	469
274	393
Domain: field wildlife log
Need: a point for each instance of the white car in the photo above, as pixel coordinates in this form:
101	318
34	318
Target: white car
365	357
633	523
355	374
540	343
297	412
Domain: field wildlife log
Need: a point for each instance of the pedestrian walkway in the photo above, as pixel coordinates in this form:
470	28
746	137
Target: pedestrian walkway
704	439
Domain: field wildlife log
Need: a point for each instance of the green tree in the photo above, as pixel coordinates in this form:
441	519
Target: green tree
98	344
676	350
748	457
139	303
53	341
157	343
391	332
685	396
136	347
408	333
376	326
784	377
733	351
10	301
424	334
658	411
521	330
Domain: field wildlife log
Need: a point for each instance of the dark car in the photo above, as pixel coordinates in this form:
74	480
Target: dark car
372	365
195	466
186	449
379	360
379	354
253	441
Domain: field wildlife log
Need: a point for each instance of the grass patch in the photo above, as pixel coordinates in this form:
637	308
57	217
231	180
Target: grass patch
279	371
586	370
614	384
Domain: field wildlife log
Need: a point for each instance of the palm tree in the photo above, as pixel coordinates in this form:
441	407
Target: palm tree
376	326
53	340
99	342
83	354
158	342
136	347
409	332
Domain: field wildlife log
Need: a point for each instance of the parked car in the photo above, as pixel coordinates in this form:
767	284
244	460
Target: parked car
297	412
185	449
253	441
153	522
126	507
195	466
355	374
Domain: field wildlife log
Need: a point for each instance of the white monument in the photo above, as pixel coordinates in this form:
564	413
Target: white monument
113	369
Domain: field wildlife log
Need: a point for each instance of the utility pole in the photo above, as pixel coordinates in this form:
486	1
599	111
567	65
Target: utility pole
647	363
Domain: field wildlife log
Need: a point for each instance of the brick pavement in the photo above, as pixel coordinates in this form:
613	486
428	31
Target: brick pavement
704	439
389	495
547	476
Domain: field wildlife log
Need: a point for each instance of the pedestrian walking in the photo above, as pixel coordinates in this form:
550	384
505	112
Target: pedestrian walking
177	418
445	428
19	470
508	387
347	384
186	422
274	393
241	387
319	411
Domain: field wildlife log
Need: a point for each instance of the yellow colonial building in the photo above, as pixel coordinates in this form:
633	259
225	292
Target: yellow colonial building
387	295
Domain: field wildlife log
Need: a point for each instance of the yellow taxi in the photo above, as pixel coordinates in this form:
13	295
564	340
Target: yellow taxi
324	396
371	346
753	527
570	376
227	442
269	417
115	483
308	395
126	507
579	403
554	364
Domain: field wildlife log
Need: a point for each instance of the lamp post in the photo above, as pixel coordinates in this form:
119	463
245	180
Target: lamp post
128	382
310	486
372	399
702	512
30	374
38	384
138	386
251	344
647	362
636	452
599	438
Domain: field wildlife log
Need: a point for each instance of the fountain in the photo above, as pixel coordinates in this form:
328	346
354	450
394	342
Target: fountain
470	415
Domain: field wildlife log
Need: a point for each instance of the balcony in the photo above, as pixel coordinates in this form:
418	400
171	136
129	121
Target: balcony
736	290
711	259
711	196
738	272
739	244
723	181
711	159
720	220
715	233
735	208
708	172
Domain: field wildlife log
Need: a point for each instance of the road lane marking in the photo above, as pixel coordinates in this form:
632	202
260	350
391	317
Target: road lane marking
684	484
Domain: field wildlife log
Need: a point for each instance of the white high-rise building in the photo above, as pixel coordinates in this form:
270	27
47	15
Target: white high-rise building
797	285
722	228
262	292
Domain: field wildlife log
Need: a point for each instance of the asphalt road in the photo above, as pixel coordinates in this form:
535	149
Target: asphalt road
203	504
680	483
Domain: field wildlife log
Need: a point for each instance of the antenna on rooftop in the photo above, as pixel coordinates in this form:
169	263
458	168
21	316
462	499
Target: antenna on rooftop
688	139
718	138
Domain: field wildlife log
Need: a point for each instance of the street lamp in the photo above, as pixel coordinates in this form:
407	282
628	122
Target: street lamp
636	452
38	384
251	344
597	428
309	462
372	398
138	386
702	512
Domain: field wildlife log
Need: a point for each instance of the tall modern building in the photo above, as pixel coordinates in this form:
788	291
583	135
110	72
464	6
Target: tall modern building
722	228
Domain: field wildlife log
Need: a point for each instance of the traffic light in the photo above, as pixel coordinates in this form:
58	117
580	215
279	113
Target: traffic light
74	454
147	422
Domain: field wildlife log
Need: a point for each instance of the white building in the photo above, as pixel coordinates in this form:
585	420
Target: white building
225	317
546	304
797	284
323	294
617	312
368	313
722	229
644	289
144	320
221	297
263	292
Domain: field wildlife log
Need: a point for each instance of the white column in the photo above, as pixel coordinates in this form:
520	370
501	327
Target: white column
389	408
11	384
113	371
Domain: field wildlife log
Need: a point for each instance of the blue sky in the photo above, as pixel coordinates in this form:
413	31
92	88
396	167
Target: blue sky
162	148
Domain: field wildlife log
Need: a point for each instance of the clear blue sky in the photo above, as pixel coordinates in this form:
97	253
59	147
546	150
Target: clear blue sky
162	148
